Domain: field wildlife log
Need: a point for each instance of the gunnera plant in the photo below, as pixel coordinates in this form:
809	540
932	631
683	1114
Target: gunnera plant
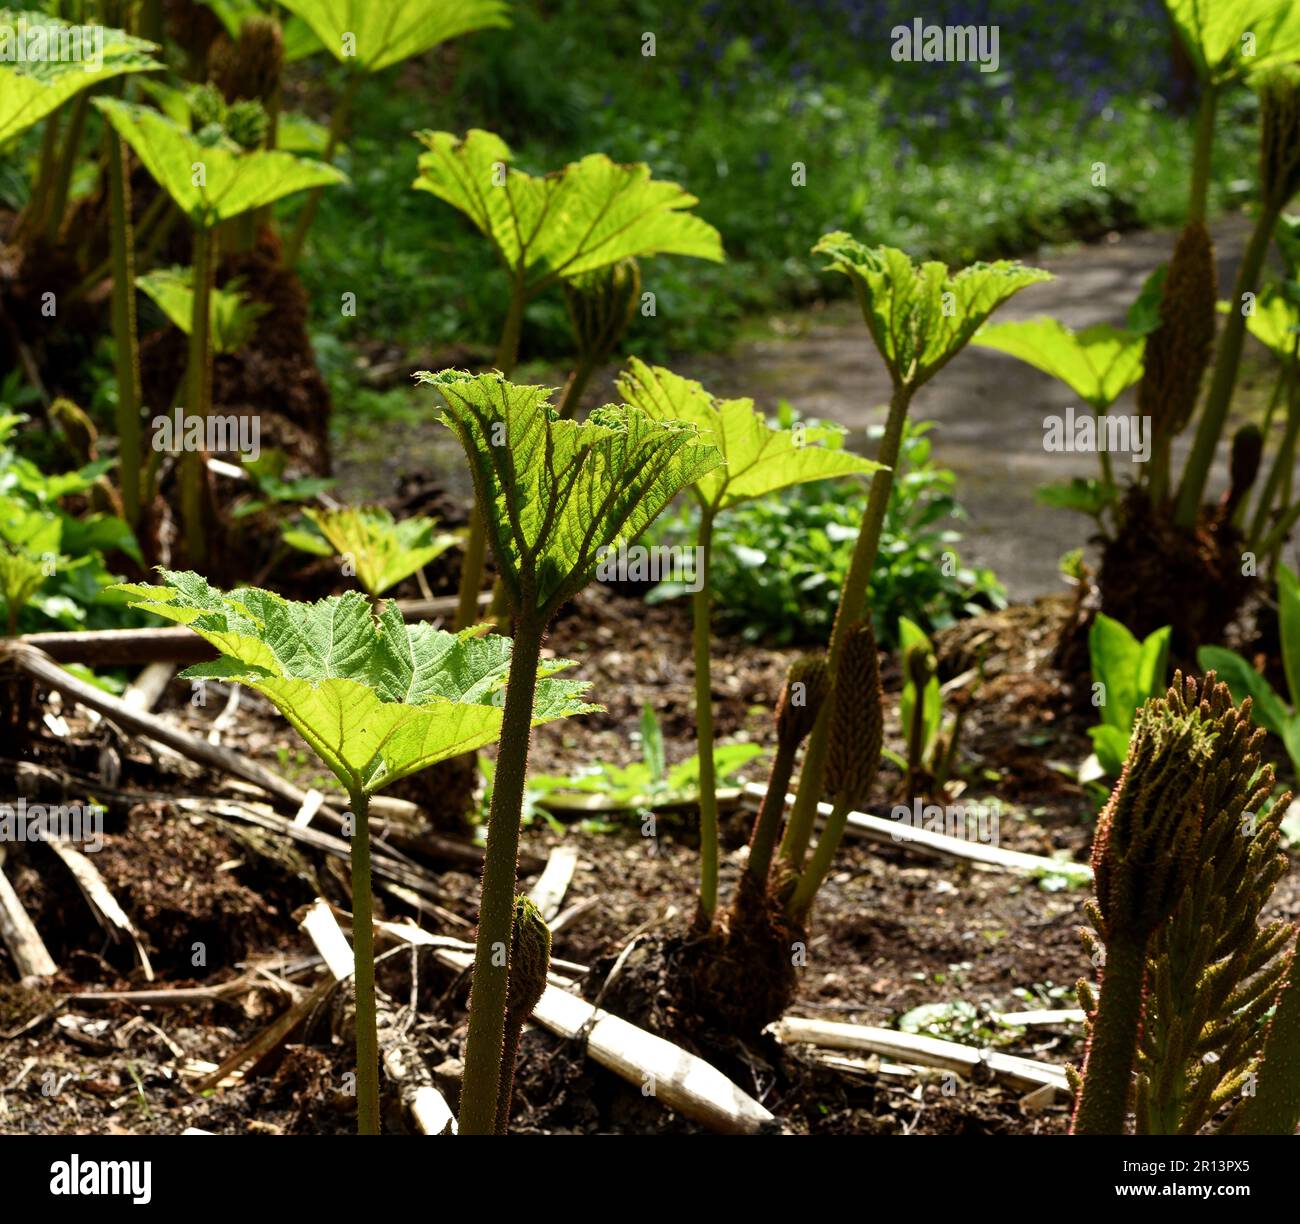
553	496
377	700
1185	857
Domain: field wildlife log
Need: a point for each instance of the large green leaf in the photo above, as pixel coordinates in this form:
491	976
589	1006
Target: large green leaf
1227	39
382	550
211	182
922	317
1131	671
1097	364
31	89
759	459
374	35
556	493
1274	321
375	698
591	214
232	317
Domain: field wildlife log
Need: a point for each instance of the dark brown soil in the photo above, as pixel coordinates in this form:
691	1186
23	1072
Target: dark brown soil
891	931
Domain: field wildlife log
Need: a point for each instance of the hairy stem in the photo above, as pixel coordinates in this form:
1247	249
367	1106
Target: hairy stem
485	1043
363	973
853	598
819	866
573	389
200	392
338	124
1214	414
700	611
58	199
1283	462
471	570
1112	1045
127	353
1202	148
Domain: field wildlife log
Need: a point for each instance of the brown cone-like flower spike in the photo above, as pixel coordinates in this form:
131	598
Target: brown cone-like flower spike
600	306
530	959
806	686
1178	351
857	723
250	68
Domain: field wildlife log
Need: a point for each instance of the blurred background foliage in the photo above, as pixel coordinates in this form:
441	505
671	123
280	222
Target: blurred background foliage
940	159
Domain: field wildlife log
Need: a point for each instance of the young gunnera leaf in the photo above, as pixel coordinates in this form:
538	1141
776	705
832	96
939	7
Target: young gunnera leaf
382	550
922	317
370	36
1275	321
1097	363
759	459
555	492
211	181
36	82
376	699
232	317
591	214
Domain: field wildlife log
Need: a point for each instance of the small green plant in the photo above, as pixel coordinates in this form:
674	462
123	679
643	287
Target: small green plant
759	460
1126	674
377	700
1269	710
553	496
21	576
643	785
40	538
380	551
1184	858
931	744
778	561
232	317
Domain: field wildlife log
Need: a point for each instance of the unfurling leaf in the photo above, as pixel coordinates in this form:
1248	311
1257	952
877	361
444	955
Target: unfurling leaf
556	493
920	317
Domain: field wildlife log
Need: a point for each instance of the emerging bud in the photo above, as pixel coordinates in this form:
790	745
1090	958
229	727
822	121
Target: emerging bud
530	959
806	686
